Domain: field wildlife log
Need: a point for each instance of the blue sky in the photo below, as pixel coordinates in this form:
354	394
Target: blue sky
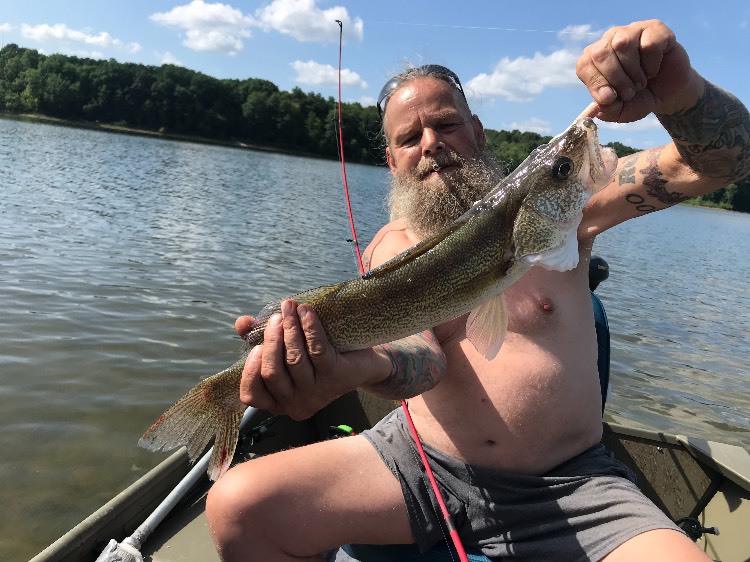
516	59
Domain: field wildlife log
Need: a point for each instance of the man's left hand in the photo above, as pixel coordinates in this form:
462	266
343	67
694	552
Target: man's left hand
638	69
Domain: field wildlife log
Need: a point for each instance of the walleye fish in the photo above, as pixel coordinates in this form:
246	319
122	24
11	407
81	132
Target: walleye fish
529	218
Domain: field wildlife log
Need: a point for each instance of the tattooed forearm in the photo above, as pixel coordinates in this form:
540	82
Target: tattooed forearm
653	180
656	183
713	137
626	173
418	364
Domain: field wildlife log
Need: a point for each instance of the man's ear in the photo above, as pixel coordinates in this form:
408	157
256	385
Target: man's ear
479	131
390	160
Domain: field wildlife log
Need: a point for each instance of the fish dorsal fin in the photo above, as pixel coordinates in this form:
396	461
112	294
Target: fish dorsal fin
487	325
419	249
563	257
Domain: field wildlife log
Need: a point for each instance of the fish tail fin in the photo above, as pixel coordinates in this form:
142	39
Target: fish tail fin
212	409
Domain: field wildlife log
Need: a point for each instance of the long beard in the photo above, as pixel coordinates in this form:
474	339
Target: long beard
428	202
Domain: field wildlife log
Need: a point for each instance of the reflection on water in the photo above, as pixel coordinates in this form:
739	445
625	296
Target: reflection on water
124	262
678	299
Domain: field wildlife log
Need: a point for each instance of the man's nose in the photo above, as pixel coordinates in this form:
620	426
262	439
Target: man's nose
432	142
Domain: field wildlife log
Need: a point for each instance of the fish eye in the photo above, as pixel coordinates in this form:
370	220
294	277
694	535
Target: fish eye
562	167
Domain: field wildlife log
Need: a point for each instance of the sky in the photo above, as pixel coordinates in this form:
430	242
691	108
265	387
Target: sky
515	59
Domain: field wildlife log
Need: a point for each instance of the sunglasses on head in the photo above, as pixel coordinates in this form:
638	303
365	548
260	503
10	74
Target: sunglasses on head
436	70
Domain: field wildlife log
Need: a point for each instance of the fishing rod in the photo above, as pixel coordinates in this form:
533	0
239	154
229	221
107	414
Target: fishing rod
340	129
447	518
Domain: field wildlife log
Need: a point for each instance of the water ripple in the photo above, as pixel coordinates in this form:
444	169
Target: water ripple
124	262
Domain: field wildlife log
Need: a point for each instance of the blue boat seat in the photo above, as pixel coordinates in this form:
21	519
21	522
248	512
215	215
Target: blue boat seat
602	342
442	552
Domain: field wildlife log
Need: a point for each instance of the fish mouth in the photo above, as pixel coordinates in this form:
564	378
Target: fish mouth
599	162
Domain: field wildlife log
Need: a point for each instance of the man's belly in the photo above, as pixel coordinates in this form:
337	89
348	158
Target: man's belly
526	411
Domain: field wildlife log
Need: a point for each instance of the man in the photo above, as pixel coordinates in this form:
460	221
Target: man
514	439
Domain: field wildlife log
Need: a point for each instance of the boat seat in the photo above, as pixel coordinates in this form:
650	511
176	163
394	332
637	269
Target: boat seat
602	342
442	552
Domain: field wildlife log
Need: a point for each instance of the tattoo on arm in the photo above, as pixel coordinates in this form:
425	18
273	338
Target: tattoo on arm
653	180
627	171
713	137
418	364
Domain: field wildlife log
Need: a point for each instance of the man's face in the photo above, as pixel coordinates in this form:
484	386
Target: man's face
425	119
437	155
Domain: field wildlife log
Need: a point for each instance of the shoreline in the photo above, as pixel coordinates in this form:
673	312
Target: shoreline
127	130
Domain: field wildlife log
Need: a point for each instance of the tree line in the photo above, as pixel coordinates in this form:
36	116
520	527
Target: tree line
175	100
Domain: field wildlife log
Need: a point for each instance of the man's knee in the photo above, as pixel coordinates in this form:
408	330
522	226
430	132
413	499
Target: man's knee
232	501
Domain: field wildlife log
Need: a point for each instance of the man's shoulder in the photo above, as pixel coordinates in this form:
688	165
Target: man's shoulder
391	240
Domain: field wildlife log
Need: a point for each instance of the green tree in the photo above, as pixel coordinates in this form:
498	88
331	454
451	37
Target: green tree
174	99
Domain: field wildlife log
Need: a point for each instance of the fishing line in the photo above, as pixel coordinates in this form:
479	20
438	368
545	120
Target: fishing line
450	525
485	28
340	128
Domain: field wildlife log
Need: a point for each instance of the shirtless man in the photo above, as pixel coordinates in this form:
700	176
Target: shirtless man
523	428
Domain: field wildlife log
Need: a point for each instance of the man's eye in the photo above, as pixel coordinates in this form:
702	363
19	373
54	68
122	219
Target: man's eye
410	140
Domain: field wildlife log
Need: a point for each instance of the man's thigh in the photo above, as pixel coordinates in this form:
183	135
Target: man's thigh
656	545
320	496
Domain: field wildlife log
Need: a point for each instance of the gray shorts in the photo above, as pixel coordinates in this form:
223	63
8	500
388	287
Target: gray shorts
580	510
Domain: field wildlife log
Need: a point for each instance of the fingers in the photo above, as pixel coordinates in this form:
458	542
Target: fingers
282	374
243	324
273	369
320	352
619	66
253	390
592	110
254	383
656	42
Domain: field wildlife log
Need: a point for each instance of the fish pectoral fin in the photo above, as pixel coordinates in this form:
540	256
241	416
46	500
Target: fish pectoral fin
487	325
562	257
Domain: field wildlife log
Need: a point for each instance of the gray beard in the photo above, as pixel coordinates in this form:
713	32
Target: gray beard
427	203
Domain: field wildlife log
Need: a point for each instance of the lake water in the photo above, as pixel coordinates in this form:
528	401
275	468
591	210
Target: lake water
125	260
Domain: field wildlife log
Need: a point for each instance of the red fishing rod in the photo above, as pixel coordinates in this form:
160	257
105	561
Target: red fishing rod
340	129
450	525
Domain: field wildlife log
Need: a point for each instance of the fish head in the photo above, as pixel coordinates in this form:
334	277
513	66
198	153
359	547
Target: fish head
564	173
554	184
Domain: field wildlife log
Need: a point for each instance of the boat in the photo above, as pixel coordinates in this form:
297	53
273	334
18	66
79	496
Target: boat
702	485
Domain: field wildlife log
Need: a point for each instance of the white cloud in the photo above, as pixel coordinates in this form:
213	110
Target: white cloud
366	101
645	124
98	55
168	58
4	27
217	27
61	32
533	124
211	27
312	72
304	21
579	34
524	78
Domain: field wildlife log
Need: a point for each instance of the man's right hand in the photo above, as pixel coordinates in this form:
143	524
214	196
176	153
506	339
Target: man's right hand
296	371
